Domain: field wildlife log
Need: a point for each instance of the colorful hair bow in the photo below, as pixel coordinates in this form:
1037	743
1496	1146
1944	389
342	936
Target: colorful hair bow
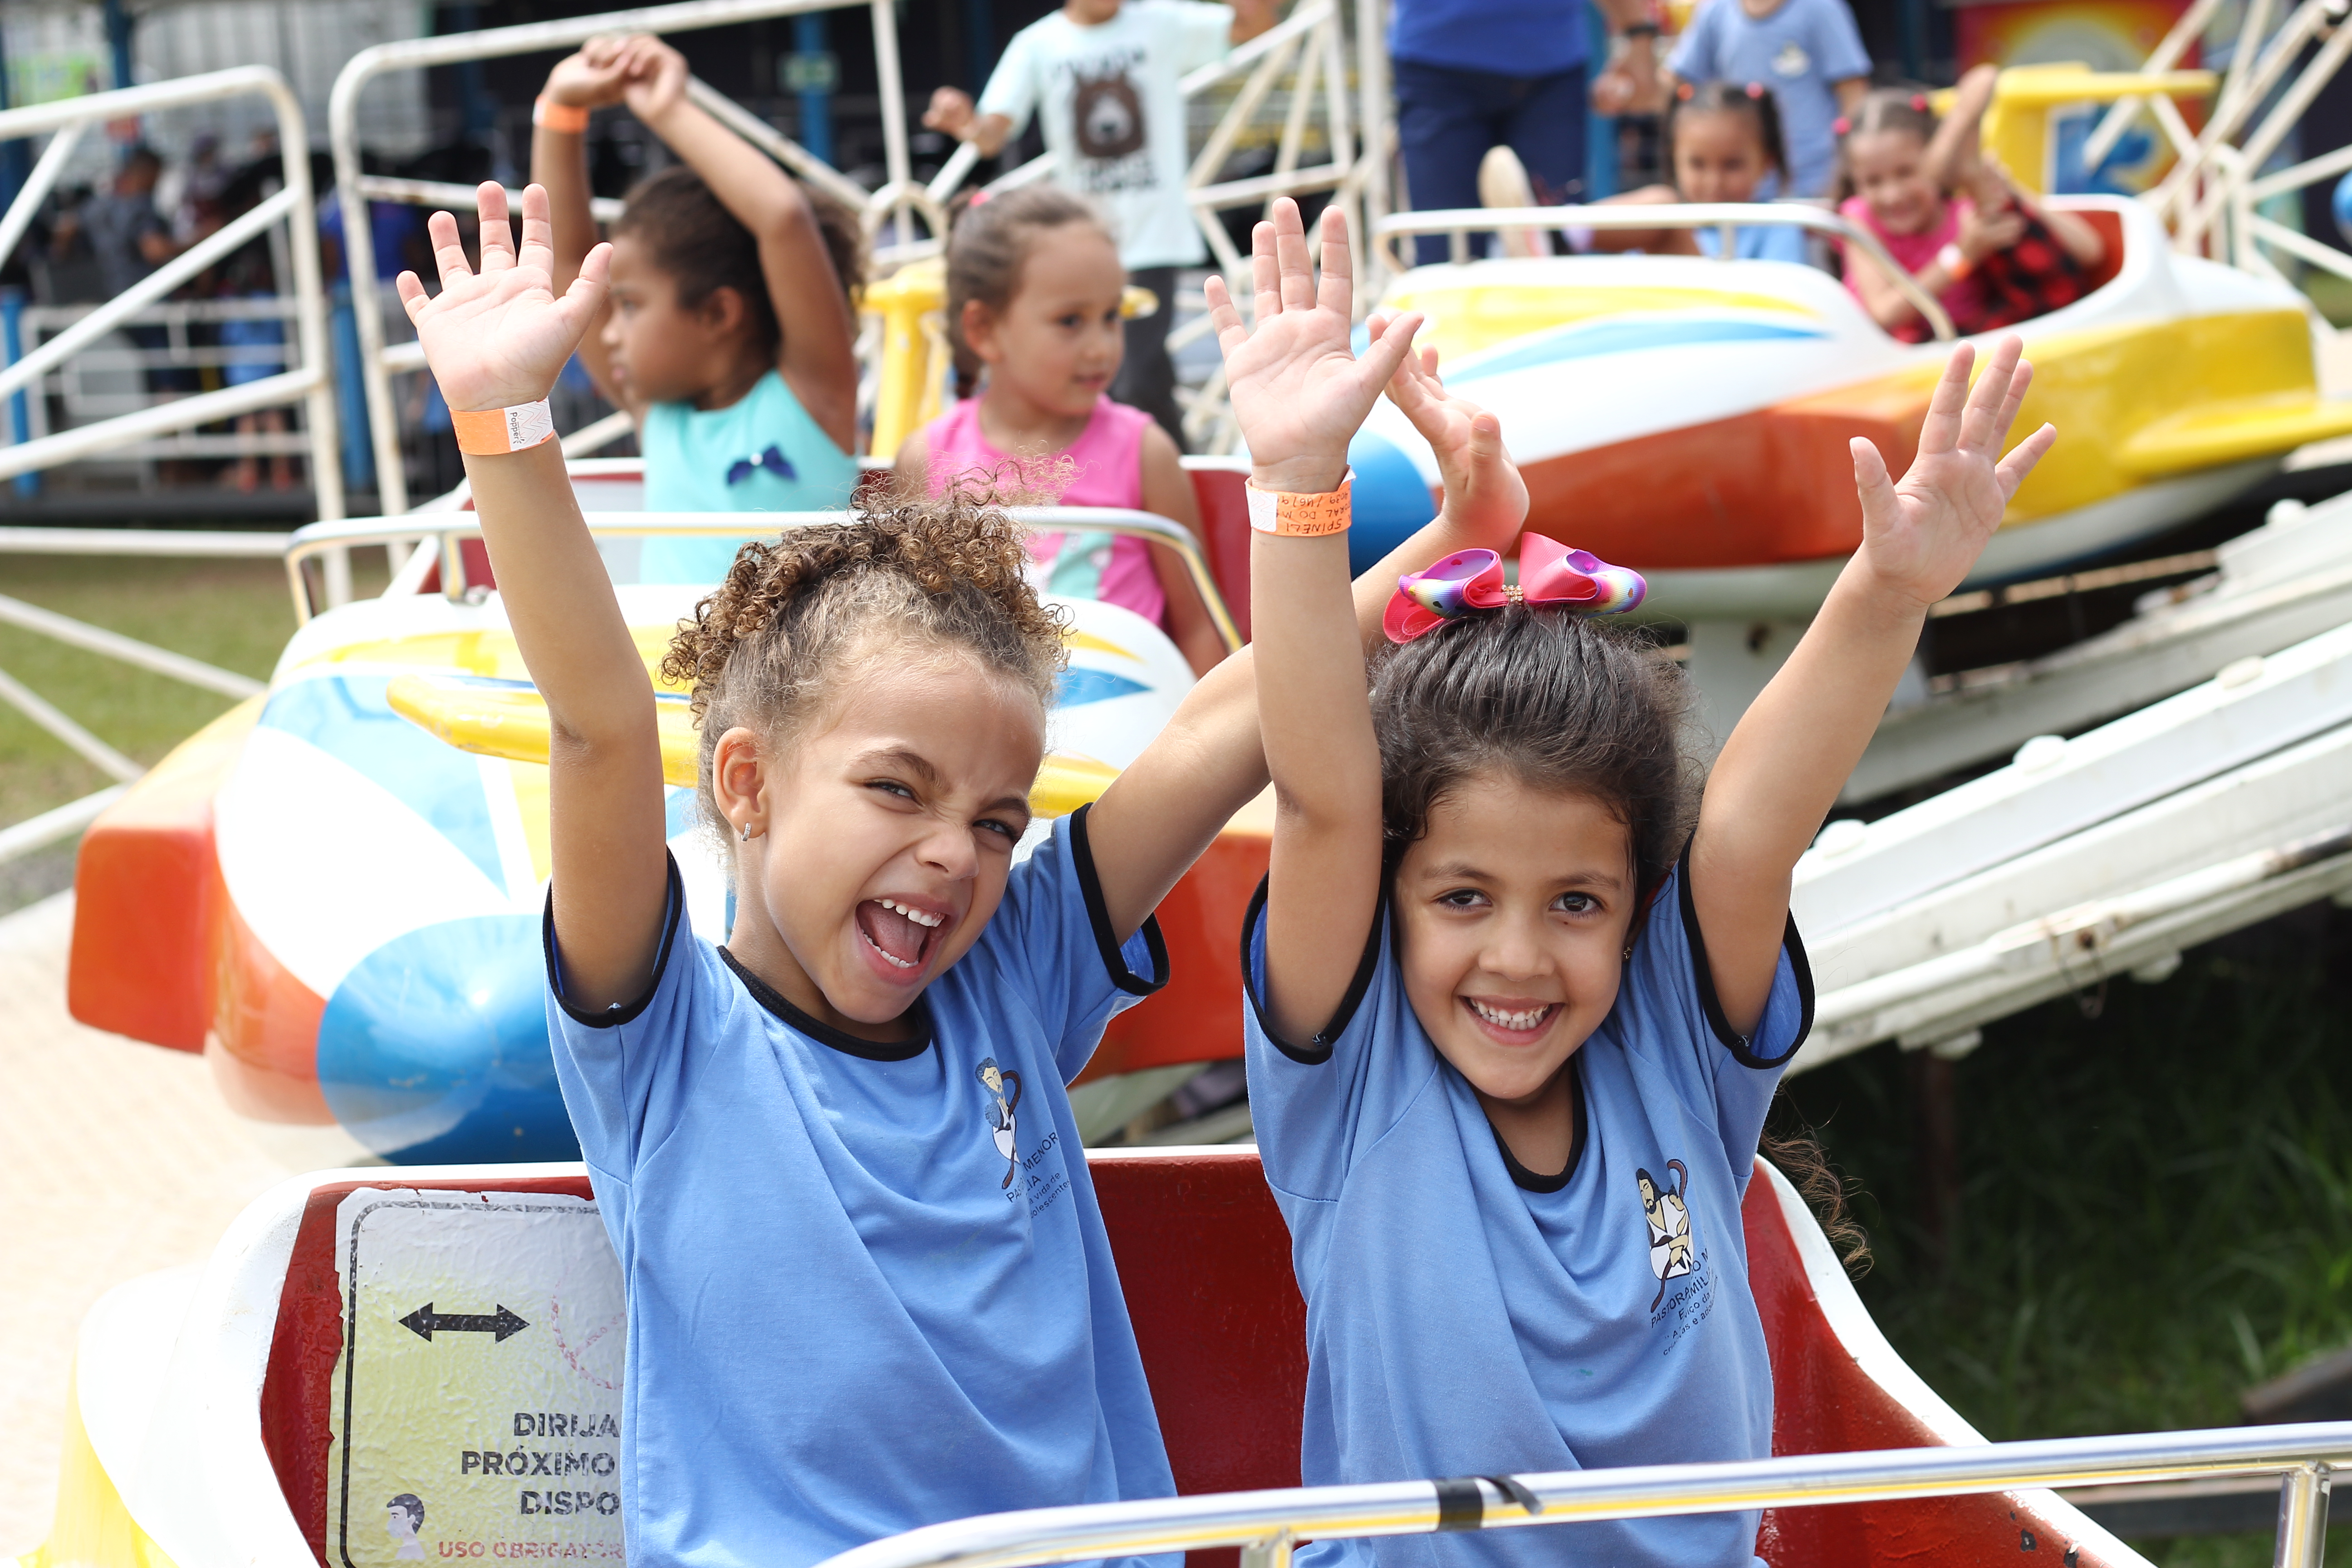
1549	574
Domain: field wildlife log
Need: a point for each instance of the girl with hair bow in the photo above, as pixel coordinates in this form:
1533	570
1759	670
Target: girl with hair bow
1506	961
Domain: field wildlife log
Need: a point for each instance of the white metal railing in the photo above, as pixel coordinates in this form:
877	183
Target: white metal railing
2210	196
1461	222
1308	47
106	379
307	380
438	535
1266	1524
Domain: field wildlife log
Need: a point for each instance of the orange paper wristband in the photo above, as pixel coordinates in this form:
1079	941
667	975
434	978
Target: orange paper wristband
1286	513
554	116
493	432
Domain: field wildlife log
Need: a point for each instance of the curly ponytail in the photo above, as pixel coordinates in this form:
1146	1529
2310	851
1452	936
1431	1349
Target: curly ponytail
767	650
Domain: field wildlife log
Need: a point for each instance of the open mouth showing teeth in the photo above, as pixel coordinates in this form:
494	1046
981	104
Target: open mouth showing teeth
901	934
1518	1021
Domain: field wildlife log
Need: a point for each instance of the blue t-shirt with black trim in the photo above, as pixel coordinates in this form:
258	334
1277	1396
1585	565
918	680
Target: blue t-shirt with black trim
1467	1317
868	1285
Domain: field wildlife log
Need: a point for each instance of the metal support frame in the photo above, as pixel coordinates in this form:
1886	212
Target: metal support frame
1460	223
1264	1522
309	383
444	531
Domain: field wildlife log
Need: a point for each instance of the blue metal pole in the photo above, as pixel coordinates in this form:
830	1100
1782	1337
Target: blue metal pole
119	23
351	390
809	46
12	344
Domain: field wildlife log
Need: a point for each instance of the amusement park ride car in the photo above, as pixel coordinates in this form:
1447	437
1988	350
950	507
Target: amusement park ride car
333	893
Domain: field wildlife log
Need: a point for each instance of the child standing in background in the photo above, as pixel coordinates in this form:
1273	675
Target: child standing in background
1808	52
730	330
1034	293
1103	77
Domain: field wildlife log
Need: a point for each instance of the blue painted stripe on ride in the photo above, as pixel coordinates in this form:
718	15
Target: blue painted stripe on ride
1079	686
1587	339
347	717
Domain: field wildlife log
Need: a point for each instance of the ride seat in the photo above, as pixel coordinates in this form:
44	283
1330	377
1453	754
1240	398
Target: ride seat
1204	1259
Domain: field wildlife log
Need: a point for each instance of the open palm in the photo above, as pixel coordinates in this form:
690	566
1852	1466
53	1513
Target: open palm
500	336
1485	493
1299	393
1921	537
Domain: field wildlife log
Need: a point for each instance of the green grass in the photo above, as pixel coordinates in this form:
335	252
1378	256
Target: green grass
2156	1205
234	614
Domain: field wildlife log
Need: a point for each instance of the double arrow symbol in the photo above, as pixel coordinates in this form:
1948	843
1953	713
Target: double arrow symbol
501	1324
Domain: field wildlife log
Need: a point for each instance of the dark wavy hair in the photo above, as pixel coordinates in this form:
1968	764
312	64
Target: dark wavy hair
1555	700
696	240
1752	99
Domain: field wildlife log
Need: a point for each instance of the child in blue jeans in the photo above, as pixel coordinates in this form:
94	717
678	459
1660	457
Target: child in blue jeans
1514	1020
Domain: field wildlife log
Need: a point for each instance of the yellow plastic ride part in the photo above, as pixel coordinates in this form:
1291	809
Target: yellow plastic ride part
91	1527
2017	125
510	722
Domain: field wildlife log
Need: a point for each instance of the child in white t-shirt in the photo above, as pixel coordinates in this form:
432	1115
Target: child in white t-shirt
1103	76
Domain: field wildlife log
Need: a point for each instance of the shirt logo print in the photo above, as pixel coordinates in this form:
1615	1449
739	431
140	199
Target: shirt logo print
1107	112
1670	1227
1003	1099
1792	62
773	459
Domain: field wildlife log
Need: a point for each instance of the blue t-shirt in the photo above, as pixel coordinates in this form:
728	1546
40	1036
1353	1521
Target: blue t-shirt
1519	38
1756	242
868	1285
1797	51
1467	1317
760	453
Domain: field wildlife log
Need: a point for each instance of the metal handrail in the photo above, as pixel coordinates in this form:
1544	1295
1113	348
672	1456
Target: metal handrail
446	529
307	381
1461	222
1267	1522
531	38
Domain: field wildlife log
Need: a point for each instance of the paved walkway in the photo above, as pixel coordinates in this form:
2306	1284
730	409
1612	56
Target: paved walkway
116	1159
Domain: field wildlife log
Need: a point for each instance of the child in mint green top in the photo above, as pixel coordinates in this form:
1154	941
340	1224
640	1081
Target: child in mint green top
729	329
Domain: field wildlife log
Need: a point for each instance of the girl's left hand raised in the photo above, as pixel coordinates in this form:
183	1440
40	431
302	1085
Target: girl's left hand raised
1299	393
500	336
1919	538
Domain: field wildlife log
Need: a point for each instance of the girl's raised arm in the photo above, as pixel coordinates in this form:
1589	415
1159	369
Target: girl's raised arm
818	359
1792	752
495	339
1300	396
588	80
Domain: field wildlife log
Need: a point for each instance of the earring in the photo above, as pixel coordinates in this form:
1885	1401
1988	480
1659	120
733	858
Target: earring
745	829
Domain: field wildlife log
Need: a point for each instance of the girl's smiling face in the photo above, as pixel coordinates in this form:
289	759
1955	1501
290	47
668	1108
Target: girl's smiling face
882	835
1890	173
1512	911
1059	339
1720	157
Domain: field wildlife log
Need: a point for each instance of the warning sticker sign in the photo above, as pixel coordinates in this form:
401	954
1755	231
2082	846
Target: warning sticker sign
478	1391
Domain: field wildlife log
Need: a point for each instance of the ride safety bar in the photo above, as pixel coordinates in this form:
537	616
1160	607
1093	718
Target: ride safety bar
1459	223
447	531
1266	1523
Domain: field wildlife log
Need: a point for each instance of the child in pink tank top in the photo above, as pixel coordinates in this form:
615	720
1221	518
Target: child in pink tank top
1035	290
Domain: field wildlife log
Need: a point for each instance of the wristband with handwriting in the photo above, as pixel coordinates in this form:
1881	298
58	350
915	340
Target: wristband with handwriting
553	116
494	431
1286	512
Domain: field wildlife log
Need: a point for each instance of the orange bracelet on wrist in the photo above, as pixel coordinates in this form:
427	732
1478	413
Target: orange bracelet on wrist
1953	261
1286	513
494	431
549	115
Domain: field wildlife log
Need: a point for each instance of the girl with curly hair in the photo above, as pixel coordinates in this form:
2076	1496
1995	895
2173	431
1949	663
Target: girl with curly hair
869	1284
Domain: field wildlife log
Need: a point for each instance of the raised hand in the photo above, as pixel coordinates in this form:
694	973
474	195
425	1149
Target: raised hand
500	336
655	82
1485	494
1920	537
592	78
1299	393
